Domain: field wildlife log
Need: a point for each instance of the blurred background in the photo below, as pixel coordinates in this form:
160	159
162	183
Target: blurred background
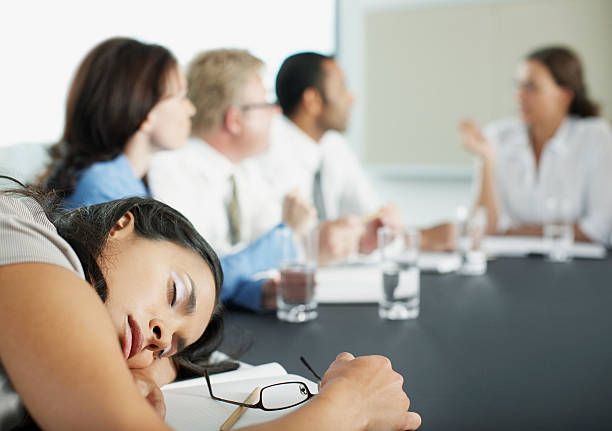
416	67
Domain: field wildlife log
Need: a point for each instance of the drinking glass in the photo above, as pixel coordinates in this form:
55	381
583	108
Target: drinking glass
400	274
296	295
471	230
558	229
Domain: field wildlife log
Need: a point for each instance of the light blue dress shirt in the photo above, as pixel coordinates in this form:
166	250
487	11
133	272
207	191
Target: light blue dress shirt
115	179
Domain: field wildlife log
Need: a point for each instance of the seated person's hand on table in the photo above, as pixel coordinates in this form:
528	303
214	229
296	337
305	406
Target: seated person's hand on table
269	290
442	237
389	216
298	213
368	387
473	139
339	238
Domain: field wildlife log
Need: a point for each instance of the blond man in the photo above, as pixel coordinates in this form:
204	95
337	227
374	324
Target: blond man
207	181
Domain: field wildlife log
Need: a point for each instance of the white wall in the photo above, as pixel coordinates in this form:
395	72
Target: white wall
42	42
418	66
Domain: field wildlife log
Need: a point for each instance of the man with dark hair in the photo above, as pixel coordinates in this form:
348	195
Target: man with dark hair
309	153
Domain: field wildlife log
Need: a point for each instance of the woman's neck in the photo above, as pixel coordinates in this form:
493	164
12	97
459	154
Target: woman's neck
139	154
541	133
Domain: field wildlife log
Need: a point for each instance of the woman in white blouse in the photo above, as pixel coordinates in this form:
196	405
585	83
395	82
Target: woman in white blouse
558	150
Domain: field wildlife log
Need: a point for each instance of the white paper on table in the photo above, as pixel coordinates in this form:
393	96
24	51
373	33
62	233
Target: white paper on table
348	284
357	283
521	246
440	263
190	408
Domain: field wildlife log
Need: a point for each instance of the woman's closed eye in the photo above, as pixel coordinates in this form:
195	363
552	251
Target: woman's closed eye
177	290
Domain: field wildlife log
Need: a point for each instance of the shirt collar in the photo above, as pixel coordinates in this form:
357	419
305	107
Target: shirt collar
216	165
310	151
559	142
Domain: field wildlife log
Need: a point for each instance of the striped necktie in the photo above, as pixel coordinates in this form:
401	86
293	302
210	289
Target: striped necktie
317	195
233	213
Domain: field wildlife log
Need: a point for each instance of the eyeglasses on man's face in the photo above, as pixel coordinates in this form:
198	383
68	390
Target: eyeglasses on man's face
260	105
277	396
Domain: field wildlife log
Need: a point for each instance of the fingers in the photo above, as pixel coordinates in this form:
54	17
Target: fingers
298	212
413	421
345	356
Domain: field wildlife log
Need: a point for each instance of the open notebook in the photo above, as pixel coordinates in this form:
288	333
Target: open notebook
190	408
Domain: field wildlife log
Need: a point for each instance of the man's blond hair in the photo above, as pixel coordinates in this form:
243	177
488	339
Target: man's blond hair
214	81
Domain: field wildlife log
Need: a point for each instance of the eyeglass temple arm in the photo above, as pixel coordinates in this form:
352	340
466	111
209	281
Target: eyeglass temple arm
237	403
310	369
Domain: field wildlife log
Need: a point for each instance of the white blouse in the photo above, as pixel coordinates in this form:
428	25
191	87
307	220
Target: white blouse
575	165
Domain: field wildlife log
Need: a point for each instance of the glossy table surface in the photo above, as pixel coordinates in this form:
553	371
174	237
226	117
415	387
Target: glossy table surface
526	346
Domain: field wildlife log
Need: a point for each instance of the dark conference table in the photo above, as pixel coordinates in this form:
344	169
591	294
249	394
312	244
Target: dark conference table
526	346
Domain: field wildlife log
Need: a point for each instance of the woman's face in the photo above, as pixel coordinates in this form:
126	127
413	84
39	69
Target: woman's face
160	295
169	122
540	99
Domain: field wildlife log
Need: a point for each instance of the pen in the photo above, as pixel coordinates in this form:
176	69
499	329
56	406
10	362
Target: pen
229	423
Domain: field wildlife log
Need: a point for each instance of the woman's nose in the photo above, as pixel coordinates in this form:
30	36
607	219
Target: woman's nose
160	337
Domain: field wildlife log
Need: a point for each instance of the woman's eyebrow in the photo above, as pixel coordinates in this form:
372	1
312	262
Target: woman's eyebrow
192	302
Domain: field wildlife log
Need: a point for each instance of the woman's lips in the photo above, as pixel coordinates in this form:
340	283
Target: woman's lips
135	338
127	340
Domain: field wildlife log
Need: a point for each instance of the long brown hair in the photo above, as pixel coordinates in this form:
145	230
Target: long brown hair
566	69
112	92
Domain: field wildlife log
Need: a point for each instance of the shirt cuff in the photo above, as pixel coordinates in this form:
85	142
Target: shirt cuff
247	294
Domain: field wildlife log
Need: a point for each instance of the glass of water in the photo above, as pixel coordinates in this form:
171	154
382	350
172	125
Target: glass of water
558	229
296	291
471	230
400	274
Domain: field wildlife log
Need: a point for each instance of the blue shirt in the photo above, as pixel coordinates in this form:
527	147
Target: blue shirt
115	179
106	181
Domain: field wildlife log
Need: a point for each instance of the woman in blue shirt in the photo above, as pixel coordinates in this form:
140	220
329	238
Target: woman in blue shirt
128	101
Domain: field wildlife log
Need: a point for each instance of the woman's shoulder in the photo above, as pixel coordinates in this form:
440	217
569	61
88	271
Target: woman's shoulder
105	181
596	127
23	207
27	235
99	171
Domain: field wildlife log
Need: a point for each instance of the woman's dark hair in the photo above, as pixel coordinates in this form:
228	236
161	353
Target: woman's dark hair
297	73
566	69
113	91
86	229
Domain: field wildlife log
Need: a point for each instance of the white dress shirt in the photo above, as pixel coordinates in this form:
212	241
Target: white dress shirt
293	159
575	165
195	180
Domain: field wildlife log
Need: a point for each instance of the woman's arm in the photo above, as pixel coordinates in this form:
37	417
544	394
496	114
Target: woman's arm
62	355
474	141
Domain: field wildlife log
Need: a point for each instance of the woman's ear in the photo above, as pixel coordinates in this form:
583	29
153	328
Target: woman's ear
123	227
568	96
